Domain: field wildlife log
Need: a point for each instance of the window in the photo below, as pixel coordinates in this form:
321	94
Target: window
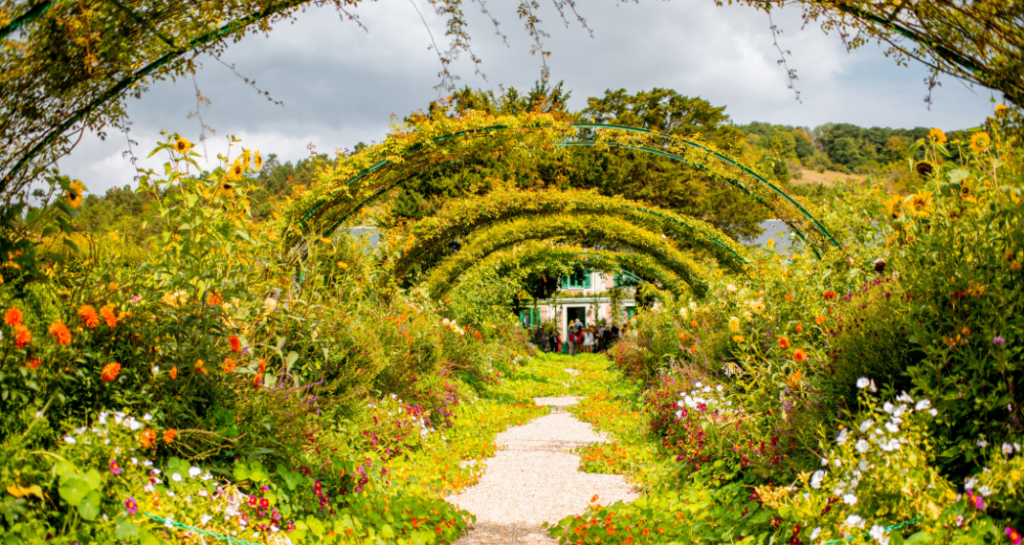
630	312
578	280
529	317
625	280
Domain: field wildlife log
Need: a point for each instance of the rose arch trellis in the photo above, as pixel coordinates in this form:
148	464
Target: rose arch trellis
441	142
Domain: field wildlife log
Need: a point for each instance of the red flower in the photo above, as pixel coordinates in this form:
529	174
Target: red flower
478	335
108	316
799	328
799	355
32	363
12	317
783	343
174	372
829	295
236	344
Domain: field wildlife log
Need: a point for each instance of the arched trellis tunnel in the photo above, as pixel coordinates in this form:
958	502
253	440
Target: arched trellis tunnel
545	256
422	149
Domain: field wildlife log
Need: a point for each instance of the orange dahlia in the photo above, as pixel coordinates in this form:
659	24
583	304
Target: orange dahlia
169	435
22	336
236	344
60	332
89	316
110	371
147	439
799	355
108	315
783	342
13	317
229	365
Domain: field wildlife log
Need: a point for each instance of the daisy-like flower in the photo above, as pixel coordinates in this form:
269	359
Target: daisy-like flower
863	382
980	141
1014	535
862	446
816	478
114	468
182	145
130	506
854	521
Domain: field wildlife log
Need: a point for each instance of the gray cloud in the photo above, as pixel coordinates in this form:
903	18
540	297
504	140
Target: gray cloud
340	84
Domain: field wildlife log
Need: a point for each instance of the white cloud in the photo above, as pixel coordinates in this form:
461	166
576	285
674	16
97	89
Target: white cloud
340	84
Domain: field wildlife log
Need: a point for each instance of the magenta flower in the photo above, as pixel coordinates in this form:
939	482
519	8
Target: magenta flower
131	506
976	499
114	468
1014	535
264	503
253	501
998	341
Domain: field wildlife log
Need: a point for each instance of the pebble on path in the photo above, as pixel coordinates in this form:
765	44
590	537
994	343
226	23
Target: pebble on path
534	479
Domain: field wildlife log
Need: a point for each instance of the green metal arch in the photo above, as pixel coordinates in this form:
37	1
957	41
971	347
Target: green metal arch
596	126
485	243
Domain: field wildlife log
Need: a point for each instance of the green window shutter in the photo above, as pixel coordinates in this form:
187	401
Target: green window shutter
586	279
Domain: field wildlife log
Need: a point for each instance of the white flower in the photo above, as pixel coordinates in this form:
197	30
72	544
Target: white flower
155	370
202	492
157	471
970	483
816	479
841	438
134	460
102	420
149	488
982	443
855	521
206	476
985	491
815	533
824	462
1007	448
170	492
682	312
194	472
134	424
904	397
922	405
719	388
892	428
934	412
69	440
864	465
888	407
866	425
863	382
730	288
169	521
877	532
1016	446
204	519
79	431
698	385
862	446
849	499
837	462
899	411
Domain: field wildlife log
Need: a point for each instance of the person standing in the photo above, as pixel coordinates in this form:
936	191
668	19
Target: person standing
571	337
599	340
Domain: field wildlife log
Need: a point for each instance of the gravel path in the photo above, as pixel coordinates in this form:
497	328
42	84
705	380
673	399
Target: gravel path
533	479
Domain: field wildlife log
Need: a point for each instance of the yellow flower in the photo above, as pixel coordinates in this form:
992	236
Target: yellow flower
1009	255
257	161
895	206
734	324
738	339
920	204
937	136
1001	109
182	146
1015	266
75	193
236	170
770	244
342	265
980	141
245	158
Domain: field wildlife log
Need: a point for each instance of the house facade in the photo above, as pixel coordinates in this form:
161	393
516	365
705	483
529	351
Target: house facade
585	296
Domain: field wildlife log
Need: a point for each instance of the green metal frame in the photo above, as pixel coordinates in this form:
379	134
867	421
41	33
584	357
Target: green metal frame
597	126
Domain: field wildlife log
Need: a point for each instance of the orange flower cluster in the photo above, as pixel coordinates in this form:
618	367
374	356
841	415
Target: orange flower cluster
236	344
22	336
229	365
110	371
214	299
108	315
89	316
32	363
13	317
799	355
200	367
174	372
783	343
60	332
147	439
169	435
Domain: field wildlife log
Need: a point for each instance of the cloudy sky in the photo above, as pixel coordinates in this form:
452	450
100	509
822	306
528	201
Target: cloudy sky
340	83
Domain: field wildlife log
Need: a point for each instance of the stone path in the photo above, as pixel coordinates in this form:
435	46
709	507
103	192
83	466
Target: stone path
533	479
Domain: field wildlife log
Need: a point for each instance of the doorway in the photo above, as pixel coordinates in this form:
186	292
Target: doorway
575	313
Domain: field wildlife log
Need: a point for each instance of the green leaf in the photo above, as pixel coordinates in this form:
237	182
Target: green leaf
125	529
315	526
387	531
73	489
920	538
93	479
290	360
241	472
89	508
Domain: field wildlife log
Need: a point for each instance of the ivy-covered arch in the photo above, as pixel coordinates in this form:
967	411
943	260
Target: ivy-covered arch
457	219
540	256
586	230
431	142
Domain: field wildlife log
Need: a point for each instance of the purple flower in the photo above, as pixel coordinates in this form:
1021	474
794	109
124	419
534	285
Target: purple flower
131	506
977	500
998	341
114	468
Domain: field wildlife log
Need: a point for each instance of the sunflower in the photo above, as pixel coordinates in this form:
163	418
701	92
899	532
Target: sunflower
182	146
920	204
226	186
257	161
1001	109
980	141
924	168
937	136
75	193
236	170
895	206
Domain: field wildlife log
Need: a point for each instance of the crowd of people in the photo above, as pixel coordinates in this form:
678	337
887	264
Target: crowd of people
579	339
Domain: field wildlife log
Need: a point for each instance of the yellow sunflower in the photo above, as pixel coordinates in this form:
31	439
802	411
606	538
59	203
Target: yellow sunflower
182	146
235	171
1001	109
937	136
920	204
227	187
244	158
75	194
980	141
895	206
257	161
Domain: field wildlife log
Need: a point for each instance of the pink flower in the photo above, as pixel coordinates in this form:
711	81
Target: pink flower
1014	535
253	501
114	468
976	499
131	506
